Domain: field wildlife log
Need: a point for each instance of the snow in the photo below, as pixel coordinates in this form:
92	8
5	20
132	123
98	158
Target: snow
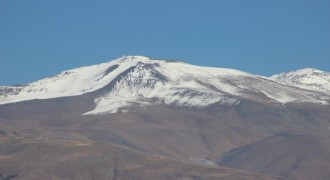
68	83
184	87
152	81
309	78
195	86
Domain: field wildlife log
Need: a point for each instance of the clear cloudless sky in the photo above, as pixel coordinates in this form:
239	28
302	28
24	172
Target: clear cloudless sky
39	38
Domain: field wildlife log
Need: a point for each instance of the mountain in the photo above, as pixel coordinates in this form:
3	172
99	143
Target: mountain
309	78
133	82
163	119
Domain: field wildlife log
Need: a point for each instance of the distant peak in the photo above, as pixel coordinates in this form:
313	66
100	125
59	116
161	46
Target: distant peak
300	72
307	70
307	78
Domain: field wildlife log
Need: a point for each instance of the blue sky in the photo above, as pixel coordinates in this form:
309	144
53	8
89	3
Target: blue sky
40	38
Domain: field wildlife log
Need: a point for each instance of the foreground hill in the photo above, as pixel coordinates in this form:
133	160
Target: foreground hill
52	159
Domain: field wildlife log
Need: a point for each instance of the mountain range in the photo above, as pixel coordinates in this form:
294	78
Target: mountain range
144	118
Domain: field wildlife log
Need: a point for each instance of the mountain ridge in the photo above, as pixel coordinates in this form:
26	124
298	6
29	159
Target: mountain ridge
138	81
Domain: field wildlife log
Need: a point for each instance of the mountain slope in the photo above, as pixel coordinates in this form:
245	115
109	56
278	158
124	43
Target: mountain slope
54	159
134	82
295	156
177	132
68	83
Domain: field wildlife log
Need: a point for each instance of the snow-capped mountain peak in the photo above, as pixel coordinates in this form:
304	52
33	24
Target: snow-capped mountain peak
299	73
308	78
